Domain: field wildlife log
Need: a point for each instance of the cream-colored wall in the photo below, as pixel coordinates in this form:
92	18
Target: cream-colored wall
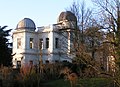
25	54
18	52
17	35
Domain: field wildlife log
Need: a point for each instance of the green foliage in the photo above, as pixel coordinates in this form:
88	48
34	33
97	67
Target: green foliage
86	82
96	82
57	83
5	51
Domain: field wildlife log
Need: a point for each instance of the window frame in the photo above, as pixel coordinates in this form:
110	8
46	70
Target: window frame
31	43
41	43
18	43
56	43
47	43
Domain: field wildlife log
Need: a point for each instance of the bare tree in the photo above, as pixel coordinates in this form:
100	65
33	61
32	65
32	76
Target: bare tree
110	11
110	21
85	23
83	15
69	75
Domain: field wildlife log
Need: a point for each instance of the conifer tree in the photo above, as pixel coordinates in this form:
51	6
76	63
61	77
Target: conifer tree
5	50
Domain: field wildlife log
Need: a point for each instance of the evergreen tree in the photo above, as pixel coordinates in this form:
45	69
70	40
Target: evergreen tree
5	50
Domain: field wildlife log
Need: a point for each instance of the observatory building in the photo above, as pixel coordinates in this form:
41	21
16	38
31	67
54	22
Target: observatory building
51	43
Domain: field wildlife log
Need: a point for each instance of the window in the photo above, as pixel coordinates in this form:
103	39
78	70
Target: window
56	42
18	64
41	43
56	61
31	43
31	63
47	61
18	43
47	42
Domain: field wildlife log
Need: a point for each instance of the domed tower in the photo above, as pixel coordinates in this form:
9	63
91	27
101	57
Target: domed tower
24	43
68	19
68	23
26	23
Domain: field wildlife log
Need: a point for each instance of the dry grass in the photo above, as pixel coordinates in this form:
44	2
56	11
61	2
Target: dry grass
69	75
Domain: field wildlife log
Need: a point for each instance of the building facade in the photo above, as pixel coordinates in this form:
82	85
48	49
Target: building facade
48	43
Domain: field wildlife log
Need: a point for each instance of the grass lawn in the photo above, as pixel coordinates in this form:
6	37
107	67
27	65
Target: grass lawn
86	82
